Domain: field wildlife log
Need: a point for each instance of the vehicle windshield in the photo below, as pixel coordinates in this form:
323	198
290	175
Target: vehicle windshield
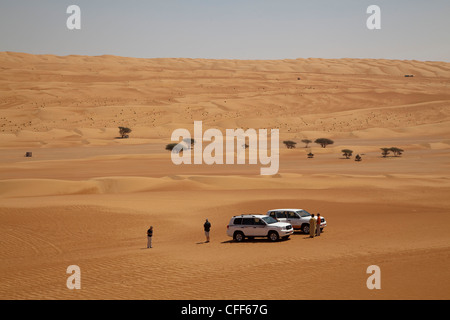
269	220
303	213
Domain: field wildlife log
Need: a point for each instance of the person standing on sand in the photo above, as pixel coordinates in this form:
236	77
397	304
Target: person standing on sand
312	226
149	237
318	225
207	227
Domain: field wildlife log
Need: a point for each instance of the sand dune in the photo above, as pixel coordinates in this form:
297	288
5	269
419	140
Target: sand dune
87	197
155	96
23	188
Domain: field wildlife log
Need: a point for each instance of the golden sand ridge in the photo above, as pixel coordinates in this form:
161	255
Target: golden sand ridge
86	197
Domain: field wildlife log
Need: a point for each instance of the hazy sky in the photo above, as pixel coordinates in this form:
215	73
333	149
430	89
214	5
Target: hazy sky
241	29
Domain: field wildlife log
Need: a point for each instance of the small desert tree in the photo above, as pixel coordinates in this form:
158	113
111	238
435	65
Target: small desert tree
358	158
347	153
306	142
123	131
189	142
324	142
396	151
385	152
290	144
174	147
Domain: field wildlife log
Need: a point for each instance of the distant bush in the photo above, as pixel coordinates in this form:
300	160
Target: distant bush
123	131
397	152
290	144
358	158
189	142
347	153
174	147
306	142
324	142
385	152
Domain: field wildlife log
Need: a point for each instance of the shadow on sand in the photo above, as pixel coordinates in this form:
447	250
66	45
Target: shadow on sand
261	240
202	242
256	240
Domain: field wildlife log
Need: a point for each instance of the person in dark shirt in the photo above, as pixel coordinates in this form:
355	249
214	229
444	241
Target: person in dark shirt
207	227
149	237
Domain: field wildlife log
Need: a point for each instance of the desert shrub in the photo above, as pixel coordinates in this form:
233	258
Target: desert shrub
306	142
397	151
123	131
324	142
174	147
290	144
347	153
385	152
189	142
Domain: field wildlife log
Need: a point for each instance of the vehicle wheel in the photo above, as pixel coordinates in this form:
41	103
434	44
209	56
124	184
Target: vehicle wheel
273	236
305	228
238	236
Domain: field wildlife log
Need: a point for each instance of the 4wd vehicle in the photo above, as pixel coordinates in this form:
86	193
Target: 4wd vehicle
253	225
299	218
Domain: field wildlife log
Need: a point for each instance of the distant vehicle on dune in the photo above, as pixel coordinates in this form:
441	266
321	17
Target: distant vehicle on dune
298	218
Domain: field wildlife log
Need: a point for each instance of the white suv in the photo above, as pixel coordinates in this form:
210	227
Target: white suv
254	225
299	218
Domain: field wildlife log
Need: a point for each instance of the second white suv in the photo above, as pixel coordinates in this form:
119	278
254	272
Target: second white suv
253	225
299	218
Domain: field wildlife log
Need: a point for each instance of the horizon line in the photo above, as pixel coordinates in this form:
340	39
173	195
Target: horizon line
215	59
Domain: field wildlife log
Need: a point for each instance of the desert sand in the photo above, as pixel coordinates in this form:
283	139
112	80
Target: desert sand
87	198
